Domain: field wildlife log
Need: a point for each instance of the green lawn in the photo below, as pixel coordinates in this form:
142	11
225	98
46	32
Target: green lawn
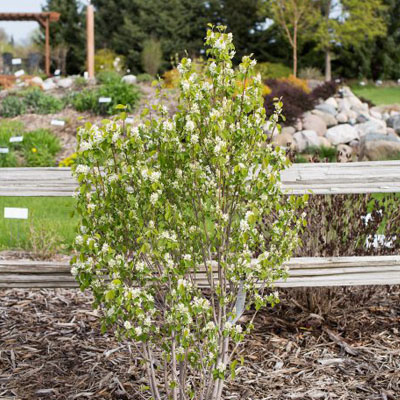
49	227
378	95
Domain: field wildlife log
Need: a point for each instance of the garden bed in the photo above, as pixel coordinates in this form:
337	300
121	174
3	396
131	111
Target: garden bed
51	347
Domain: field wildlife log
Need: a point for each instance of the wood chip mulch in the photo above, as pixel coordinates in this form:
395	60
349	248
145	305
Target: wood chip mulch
345	344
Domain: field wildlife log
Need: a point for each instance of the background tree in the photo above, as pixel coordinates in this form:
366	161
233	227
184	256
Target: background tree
347	23
68	34
295	17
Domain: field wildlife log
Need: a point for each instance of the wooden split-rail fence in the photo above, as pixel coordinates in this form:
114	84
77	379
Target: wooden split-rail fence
336	178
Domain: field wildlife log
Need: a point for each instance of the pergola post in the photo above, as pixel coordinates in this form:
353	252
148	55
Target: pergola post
47	46
90	39
44	20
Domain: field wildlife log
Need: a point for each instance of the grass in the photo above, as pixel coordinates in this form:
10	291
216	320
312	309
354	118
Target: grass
49	223
378	95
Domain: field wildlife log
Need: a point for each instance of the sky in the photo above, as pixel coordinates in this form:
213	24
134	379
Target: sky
21	31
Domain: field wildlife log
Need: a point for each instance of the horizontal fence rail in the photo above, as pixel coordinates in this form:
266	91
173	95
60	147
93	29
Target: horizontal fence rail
335	178
303	272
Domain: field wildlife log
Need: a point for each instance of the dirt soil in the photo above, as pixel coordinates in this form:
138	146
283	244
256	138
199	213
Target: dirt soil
346	346
73	119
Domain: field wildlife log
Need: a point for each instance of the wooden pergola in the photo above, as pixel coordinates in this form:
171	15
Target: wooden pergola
44	19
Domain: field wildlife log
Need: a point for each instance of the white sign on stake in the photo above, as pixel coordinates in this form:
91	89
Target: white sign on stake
19	73
4	150
129	120
15	213
86	75
104	99
16	139
16	61
57	72
57	122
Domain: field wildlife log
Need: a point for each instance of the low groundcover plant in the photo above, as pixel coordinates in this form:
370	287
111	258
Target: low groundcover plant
176	204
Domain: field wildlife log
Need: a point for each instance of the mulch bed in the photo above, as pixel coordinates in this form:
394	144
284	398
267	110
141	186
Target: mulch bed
347	346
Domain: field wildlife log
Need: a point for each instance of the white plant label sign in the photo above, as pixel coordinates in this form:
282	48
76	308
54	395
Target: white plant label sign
15	213
57	72
57	122
4	150
16	139
16	61
105	100
129	120
19	73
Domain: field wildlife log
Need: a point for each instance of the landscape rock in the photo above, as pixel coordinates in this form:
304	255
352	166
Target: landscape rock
35	81
129	79
65	83
324	142
394	122
374	137
305	139
49	84
342	118
326	108
371	126
288	129
283	140
332	102
379	150
342	134
362	117
298	126
314	123
329	119
375	114
345	153
344	105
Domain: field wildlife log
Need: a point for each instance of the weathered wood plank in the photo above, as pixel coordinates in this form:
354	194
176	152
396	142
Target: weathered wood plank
335	178
303	272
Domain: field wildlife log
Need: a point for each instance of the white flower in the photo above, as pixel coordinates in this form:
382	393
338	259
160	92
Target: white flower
220	44
212	67
85	146
105	248
168	125
244	225
127	325
185	85
138	331
74	271
82	169
151	224
187	257
154	198
221	367
238	329
228	326
190	126
155	176
79	240
194	139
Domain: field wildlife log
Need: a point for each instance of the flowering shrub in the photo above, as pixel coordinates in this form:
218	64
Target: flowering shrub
175	204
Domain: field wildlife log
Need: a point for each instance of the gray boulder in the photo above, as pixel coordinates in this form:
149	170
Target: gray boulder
49	84
379	150
374	137
288	129
394	122
283	140
129	79
65	83
305	139
332	102
329	119
314	123
342	118
371	126
326	108
342	134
